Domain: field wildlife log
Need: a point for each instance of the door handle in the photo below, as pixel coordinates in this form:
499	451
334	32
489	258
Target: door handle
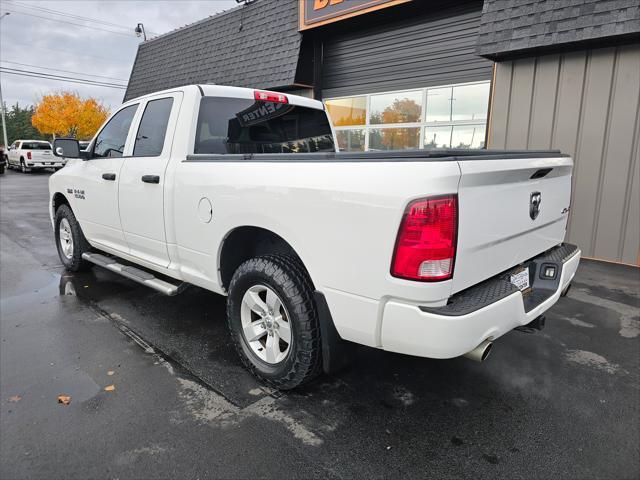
109	176
151	179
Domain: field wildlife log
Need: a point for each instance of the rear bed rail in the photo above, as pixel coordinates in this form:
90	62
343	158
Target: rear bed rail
422	155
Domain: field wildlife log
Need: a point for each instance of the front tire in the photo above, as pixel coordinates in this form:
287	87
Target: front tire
70	240
274	322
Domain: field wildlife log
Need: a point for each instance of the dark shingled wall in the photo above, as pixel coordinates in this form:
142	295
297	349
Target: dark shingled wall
264	54
509	27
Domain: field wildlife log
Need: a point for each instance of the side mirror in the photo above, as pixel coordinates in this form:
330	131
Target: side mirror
67	147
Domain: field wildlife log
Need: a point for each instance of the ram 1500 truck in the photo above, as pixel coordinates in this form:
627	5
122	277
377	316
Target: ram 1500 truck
434	253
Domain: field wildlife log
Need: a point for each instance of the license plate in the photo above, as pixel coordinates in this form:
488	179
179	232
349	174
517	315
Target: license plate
521	279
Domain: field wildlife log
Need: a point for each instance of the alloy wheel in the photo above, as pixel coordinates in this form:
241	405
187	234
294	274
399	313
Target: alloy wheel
66	238
265	324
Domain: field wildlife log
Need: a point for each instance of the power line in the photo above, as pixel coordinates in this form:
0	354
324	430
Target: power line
64	14
71	23
47	76
63	80
65	71
68	52
8	69
68	15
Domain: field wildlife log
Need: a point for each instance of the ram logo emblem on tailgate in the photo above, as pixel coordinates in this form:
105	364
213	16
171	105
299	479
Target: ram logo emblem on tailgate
534	204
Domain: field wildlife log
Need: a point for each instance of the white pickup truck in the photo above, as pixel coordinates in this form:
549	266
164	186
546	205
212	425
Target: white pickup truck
28	155
434	253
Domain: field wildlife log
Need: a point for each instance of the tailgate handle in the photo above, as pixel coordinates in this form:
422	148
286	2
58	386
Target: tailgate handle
109	176
543	172
151	179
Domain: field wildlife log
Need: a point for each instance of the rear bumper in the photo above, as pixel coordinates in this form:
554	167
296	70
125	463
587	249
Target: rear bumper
486	311
45	164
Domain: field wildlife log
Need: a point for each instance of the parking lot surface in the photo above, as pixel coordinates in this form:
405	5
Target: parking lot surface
562	403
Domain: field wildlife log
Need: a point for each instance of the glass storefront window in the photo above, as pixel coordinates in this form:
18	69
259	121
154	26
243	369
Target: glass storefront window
402	107
468	136
351	140
346	112
470	102
394	138
452	116
437	137
439	104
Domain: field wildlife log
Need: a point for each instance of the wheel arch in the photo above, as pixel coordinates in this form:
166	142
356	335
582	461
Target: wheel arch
57	200
247	241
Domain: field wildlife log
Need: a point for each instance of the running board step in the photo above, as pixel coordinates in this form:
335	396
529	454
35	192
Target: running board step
136	274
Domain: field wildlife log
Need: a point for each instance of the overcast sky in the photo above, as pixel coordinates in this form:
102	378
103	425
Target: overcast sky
35	39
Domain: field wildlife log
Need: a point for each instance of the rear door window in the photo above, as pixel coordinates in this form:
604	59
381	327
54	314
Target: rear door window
111	140
153	128
237	125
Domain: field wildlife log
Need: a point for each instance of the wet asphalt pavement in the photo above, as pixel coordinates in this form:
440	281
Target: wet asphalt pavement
563	403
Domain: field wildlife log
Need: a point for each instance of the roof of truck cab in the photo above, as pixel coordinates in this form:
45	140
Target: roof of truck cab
207	90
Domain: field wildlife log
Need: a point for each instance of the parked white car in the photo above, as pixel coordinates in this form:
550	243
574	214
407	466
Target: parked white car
434	253
28	155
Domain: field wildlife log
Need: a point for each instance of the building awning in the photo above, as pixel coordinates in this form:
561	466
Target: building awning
254	45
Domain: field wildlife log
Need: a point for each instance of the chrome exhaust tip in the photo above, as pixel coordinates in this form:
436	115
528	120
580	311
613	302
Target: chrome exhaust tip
481	352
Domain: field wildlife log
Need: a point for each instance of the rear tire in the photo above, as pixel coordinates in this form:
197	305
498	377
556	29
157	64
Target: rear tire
23	167
294	318
70	240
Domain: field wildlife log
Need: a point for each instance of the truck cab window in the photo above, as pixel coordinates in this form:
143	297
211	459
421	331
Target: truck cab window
238	125
153	128
111	140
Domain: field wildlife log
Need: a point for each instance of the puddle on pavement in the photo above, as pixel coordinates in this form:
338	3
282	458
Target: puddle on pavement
43	286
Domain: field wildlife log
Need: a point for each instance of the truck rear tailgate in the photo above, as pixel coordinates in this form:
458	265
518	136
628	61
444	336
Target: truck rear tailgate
509	211
43	156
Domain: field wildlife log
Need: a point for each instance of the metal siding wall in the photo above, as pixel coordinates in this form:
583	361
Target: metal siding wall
437	49
586	104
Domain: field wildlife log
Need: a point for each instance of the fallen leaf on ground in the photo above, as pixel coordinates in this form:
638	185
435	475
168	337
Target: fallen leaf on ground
110	388
64	399
110	372
15	398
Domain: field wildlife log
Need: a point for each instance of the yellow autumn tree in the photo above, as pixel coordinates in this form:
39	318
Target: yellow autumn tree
66	114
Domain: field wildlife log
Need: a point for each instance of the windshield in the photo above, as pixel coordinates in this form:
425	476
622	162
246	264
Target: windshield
238	125
36	146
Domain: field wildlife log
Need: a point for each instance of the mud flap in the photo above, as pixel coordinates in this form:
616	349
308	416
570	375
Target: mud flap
335	351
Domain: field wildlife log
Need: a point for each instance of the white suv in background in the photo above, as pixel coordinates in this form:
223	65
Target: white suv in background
29	155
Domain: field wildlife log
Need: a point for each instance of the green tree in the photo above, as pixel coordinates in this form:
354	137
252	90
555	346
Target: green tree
19	125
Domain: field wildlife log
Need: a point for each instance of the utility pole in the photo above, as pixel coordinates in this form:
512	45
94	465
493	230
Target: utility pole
4	120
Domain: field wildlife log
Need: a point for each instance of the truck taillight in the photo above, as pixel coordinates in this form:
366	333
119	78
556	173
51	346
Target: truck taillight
270	97
28	155
426	244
